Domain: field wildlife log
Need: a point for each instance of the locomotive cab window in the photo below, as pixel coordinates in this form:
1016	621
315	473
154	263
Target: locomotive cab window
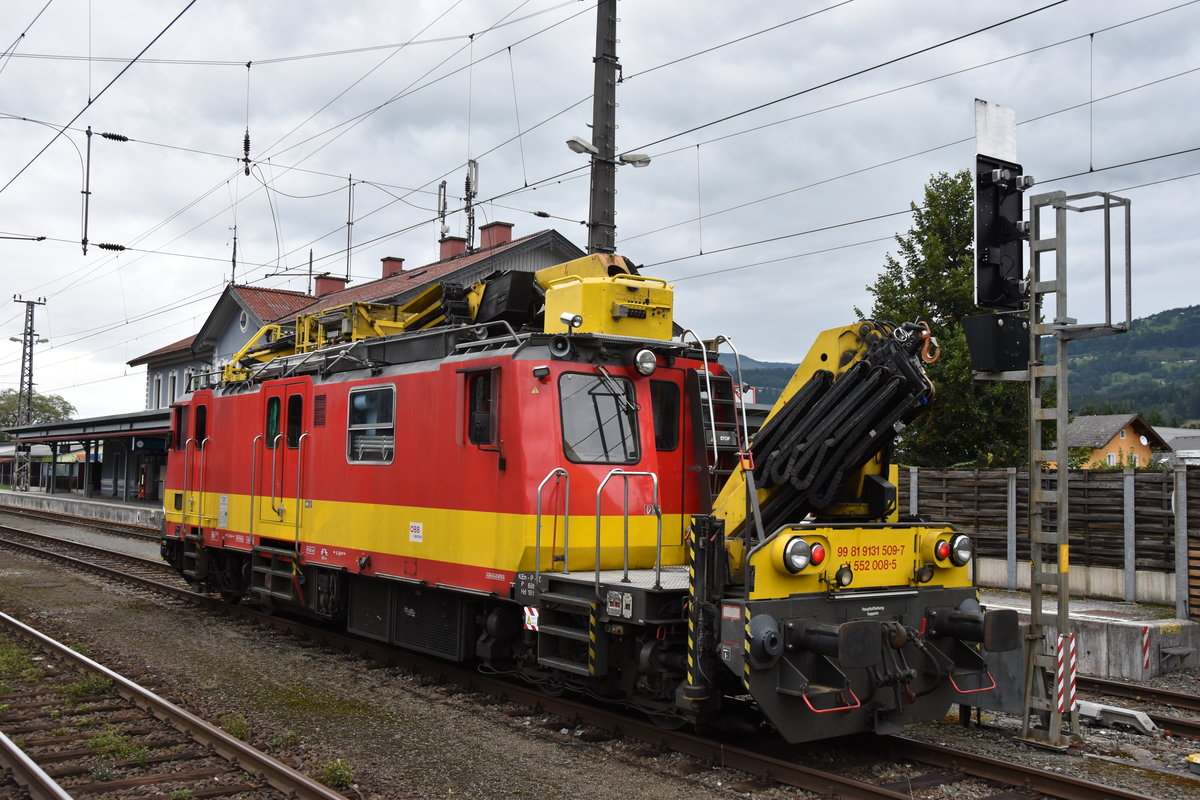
273	421
201	426
181	420
599	419
481	407
664	401
371	430
295	420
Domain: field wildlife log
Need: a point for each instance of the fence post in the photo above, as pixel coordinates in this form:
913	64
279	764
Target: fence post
1181	543
1130	560
1011	528
912	491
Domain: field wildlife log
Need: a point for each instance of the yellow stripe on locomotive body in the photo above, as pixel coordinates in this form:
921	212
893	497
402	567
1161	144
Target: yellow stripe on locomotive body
877	557
469	538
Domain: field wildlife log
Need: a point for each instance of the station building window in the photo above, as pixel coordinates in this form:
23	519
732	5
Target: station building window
371	428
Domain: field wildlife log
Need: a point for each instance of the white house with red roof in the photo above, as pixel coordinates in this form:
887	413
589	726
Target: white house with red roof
241	311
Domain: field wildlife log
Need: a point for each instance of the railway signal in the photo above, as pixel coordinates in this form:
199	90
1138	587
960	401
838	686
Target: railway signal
1000	228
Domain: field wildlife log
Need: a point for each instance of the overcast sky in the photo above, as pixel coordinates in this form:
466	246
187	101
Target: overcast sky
861	102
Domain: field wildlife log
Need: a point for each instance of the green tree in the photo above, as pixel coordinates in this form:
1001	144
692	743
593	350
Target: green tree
931	278
46	408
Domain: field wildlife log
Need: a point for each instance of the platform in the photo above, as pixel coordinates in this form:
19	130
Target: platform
1116	640
143	513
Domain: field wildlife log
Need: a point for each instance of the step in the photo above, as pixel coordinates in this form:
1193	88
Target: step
564	632
275	551
266	591
278	573
565	664
566	599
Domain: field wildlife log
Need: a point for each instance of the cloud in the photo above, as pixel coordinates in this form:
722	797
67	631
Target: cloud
402	119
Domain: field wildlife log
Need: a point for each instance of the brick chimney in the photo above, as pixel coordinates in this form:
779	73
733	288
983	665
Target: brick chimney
392	266
495	234
452	246
327	284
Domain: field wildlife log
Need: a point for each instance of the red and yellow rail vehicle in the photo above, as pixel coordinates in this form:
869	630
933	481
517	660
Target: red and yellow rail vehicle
533	473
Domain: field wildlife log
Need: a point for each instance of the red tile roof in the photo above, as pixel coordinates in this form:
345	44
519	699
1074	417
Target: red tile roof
183	345
408	279
272	304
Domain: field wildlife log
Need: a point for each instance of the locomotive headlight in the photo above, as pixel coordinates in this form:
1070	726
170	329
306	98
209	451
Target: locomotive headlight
961	550
645	362
796	554
844	576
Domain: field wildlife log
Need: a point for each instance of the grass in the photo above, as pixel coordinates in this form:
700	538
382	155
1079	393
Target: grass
285	739
337	774
88	684
109	742
236	726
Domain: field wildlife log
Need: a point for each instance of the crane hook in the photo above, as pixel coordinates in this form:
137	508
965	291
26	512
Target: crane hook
930	342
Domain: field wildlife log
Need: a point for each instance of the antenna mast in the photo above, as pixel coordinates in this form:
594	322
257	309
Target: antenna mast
471	189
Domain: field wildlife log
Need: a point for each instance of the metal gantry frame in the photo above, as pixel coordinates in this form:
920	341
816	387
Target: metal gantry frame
1047	696
21	458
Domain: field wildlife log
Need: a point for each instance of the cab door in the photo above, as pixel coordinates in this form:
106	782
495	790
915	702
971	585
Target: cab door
284	447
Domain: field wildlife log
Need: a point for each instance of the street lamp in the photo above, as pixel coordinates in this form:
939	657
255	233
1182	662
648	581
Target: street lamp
602	205
580	145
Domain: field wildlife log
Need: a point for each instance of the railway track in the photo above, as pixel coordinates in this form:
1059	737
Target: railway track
945	766
1143	694
1148	696
84	730
106	560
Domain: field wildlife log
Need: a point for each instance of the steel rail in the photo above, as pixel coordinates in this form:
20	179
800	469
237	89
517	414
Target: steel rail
277	774
28	774
1146	694
157	565
1053	784
108	572
1177	726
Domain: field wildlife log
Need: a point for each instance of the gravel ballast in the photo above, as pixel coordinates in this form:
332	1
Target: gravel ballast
405	736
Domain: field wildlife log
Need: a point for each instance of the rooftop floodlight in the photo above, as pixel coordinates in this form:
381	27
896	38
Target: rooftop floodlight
580	145
634	159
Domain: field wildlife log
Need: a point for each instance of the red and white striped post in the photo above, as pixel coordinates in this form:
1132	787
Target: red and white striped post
1059	675
1145	648
1071	676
